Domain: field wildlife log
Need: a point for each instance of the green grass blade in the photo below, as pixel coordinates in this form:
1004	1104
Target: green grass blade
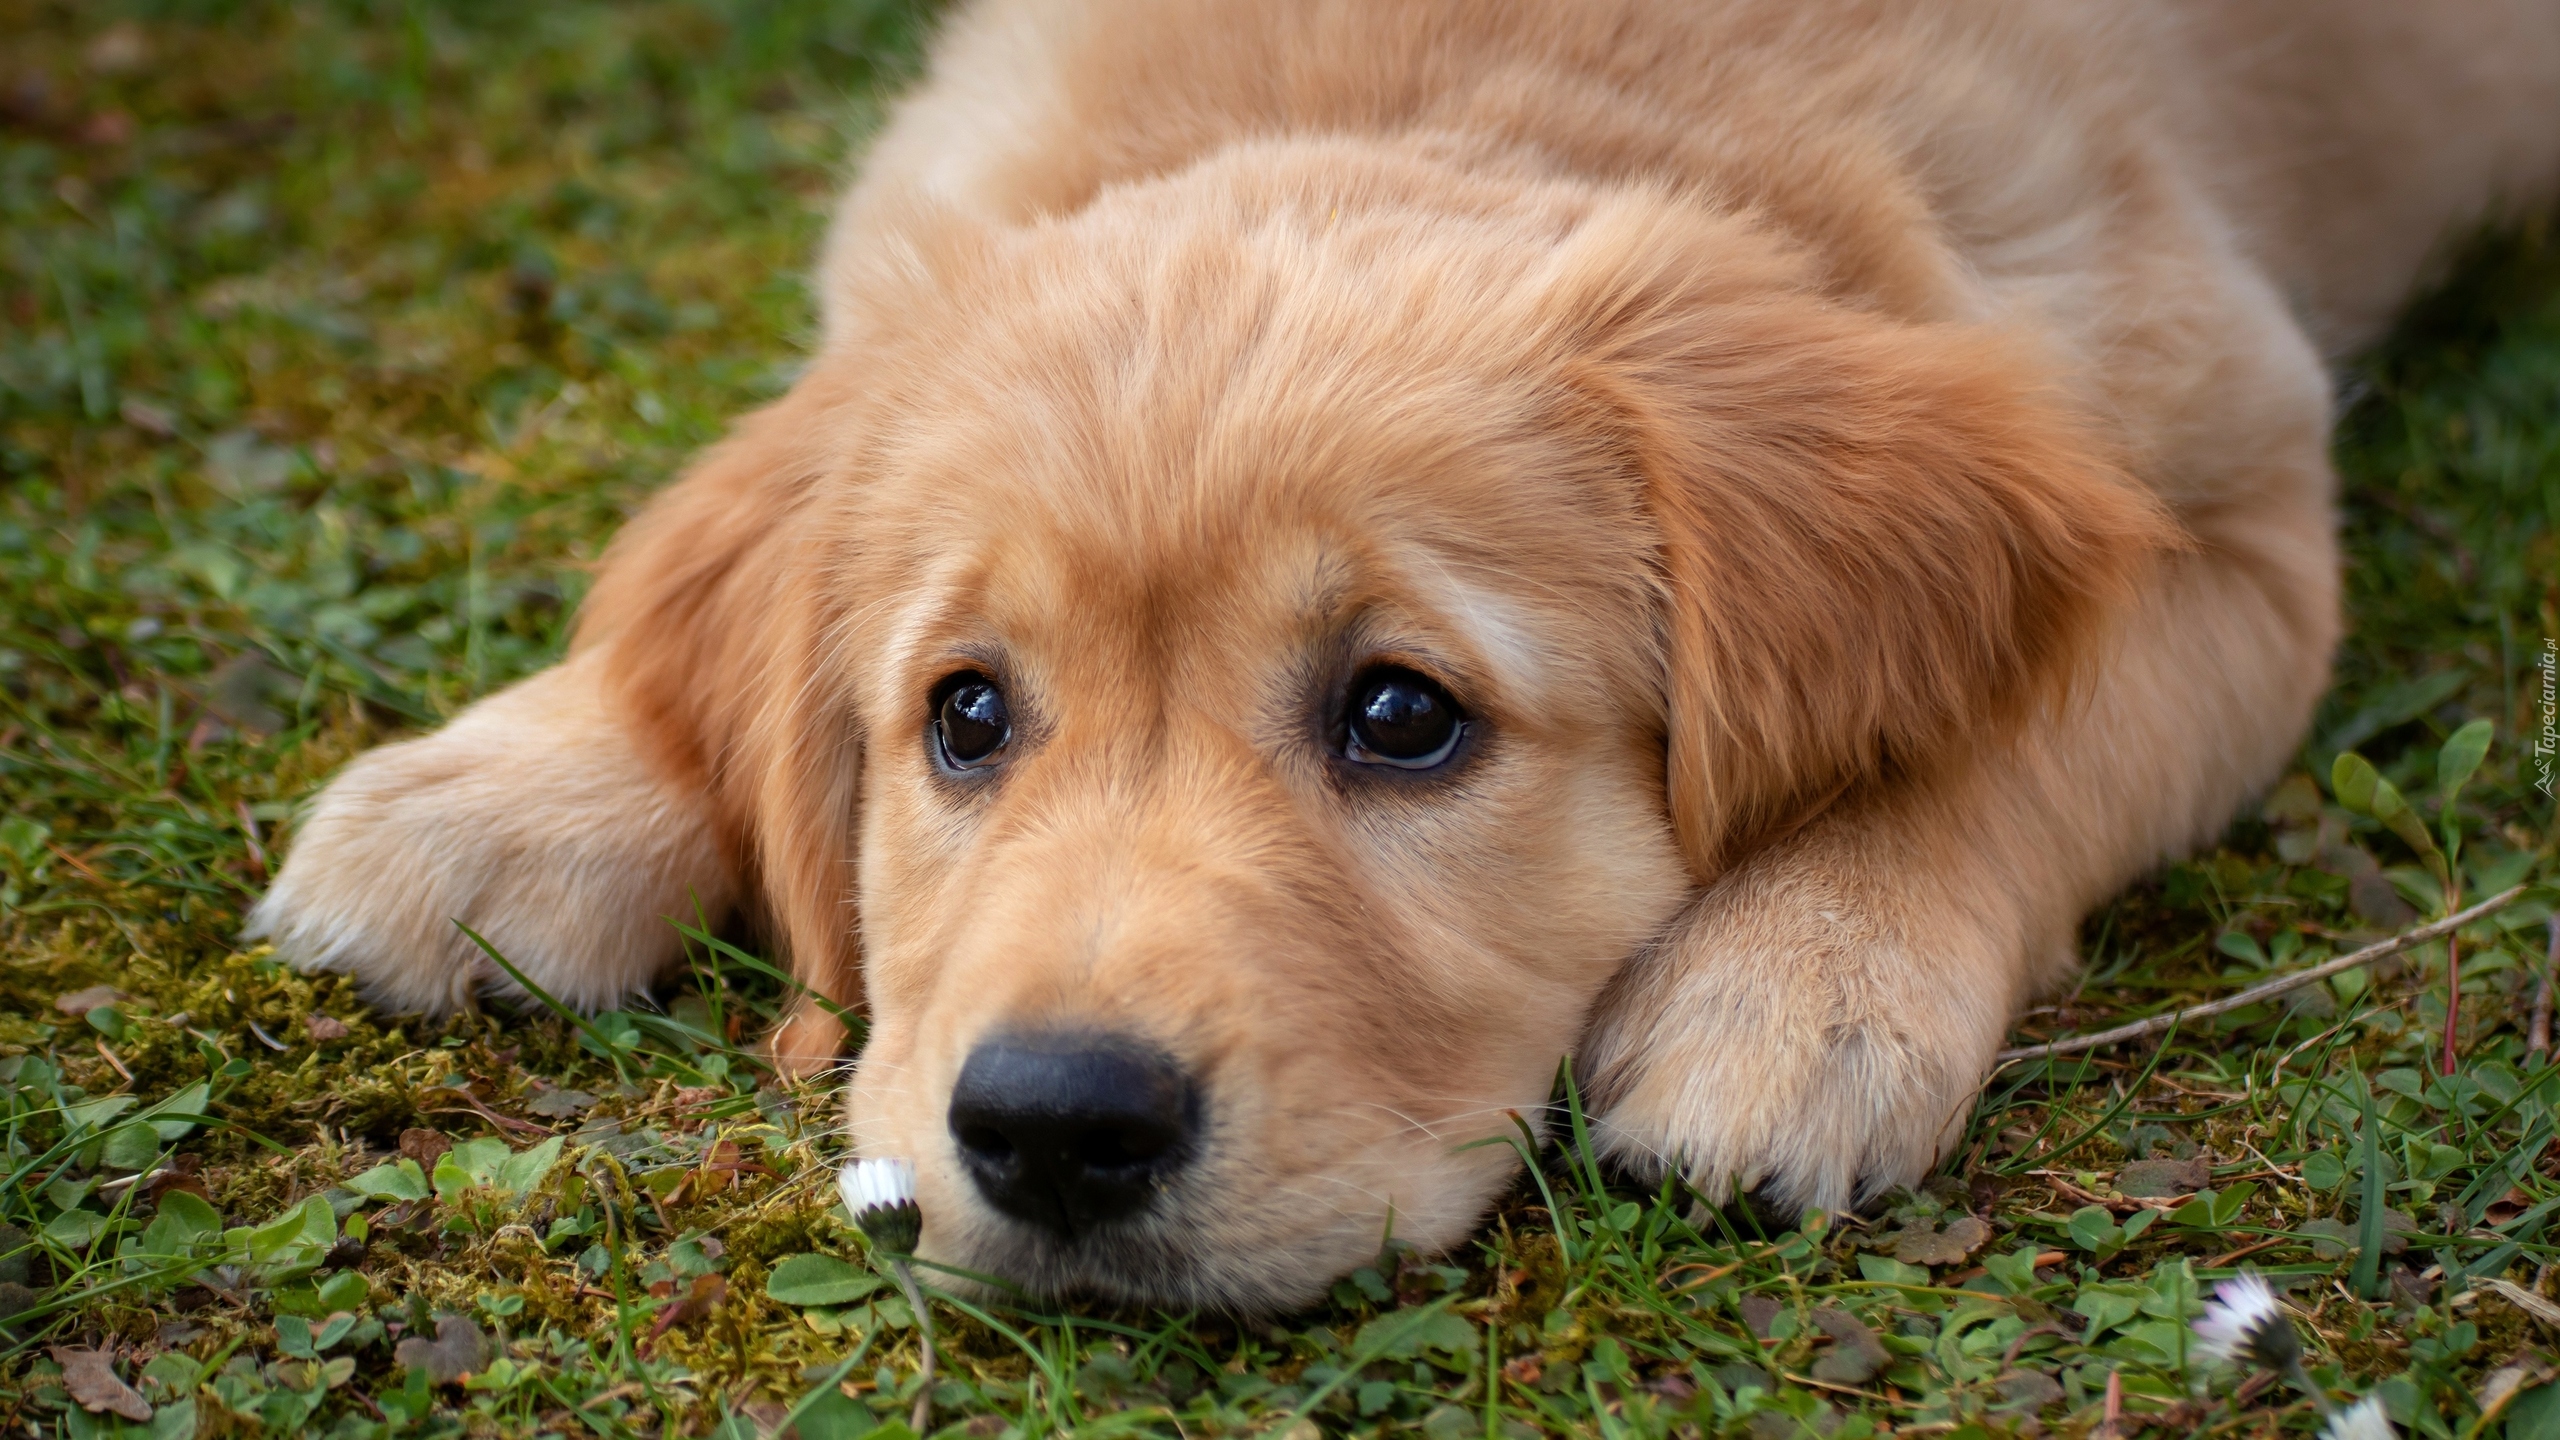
2367	1279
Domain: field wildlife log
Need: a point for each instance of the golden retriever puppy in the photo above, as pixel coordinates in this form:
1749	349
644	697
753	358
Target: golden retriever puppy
1333	554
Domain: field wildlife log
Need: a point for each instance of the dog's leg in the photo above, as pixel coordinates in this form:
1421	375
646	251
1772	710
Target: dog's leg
566	819
533	818
1817	1024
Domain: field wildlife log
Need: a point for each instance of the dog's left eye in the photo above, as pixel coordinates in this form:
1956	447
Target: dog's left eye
1402	719
971	723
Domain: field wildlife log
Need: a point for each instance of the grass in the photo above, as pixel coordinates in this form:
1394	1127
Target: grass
334	339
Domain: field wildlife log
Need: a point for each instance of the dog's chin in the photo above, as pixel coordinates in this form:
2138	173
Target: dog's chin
1152	1260
1210	1245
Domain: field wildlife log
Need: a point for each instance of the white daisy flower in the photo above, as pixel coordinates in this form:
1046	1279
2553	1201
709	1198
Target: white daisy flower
880	1194
2363	1420
876	1183
2244	1323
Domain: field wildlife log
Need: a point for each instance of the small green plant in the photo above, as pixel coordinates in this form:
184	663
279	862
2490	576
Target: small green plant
2363	789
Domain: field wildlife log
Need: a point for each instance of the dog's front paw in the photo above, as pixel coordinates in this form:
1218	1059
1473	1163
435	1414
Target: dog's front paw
530	818
1813	1030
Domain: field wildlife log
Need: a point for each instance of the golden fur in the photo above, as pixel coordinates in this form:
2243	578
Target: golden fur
1862	465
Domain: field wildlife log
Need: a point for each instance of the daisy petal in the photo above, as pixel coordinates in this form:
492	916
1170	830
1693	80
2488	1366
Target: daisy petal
2363	1420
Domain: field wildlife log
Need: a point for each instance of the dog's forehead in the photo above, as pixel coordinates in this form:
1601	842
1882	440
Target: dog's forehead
1235	447
1031	594
1038	525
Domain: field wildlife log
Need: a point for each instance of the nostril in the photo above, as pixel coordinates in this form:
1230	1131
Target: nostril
1069	1131
987	1141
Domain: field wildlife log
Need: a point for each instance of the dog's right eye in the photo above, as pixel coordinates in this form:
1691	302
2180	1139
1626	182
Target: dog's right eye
1402	720
971	723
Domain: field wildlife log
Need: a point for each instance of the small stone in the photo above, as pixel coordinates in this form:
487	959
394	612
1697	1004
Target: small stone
324	1028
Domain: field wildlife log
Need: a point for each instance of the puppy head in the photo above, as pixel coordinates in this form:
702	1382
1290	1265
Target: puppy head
1245	664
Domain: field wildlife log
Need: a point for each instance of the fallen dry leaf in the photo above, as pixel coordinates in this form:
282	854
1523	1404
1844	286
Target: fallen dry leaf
707	1292
2507	1382
91	1378
2523	1299
1921	1245
2507	1207
324	1028
560	1104
425	1146
2027	1391
1857	1356
181	1173
2163	1179
459	1349
81	1002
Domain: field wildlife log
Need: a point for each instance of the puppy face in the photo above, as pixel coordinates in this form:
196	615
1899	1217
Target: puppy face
1236	671
1260	720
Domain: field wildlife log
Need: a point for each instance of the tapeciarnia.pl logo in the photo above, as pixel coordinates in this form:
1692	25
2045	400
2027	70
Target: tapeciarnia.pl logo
2546	740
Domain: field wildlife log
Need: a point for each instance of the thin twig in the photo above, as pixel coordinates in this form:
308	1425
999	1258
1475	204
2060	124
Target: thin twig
2218	1261
2278	986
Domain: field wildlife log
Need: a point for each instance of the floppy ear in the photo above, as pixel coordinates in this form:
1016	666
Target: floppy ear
713	608
1877	537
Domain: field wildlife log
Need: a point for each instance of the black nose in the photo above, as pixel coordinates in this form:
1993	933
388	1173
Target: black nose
1071	1131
